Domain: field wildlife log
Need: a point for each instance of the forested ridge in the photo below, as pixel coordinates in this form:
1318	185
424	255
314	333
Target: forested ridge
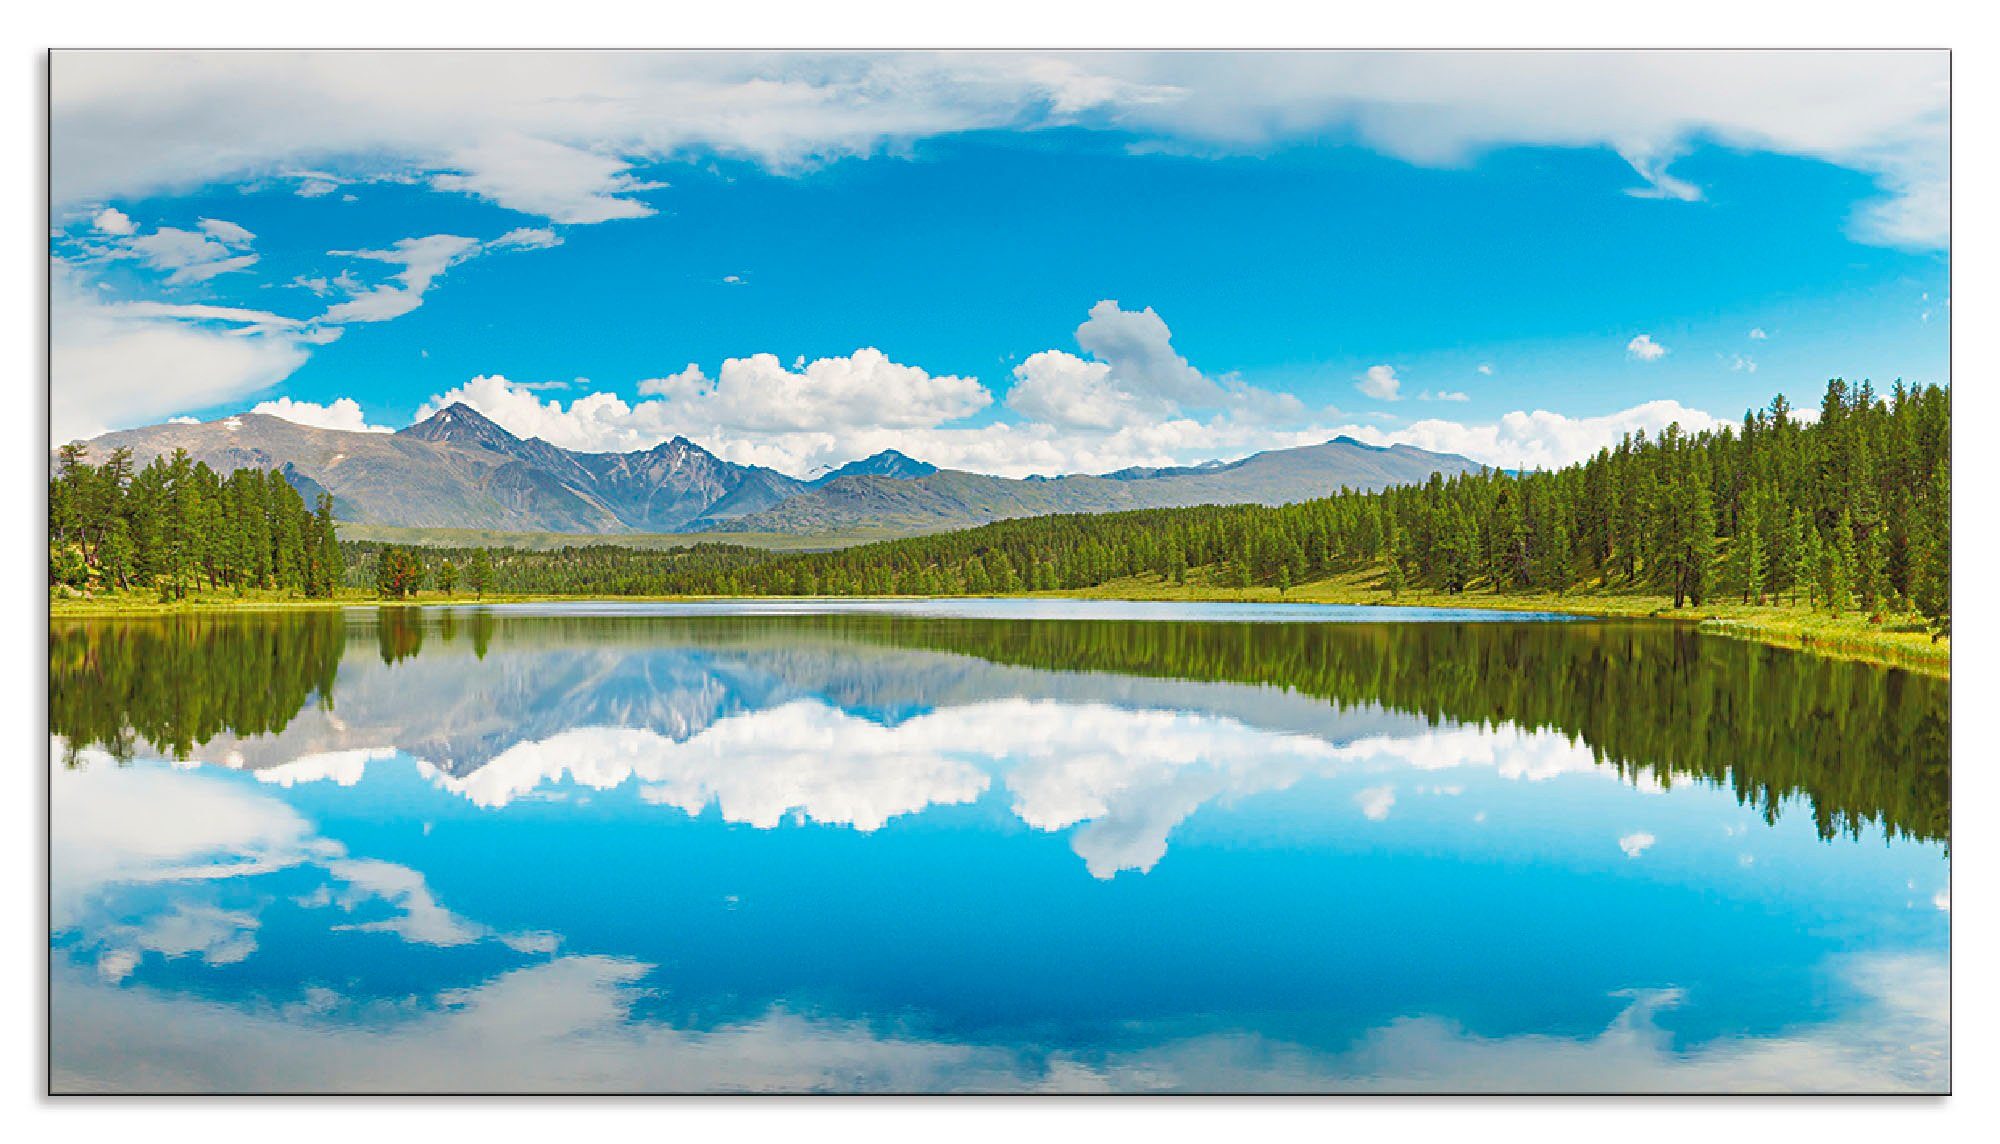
1849	510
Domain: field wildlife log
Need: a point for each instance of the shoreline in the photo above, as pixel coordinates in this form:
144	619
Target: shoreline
1897	644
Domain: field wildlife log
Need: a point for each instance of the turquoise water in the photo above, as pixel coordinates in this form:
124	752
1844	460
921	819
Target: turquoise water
987	846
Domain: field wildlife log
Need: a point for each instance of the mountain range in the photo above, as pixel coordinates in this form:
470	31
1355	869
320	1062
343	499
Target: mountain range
459	469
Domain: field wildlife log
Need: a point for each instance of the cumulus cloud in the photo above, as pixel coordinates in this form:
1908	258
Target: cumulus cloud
1060	388
1133	377
113	221
341	413
1757	334
1486	369
863	389
1381	383
1636	843
560	135
1644	348
1538	439
1738	363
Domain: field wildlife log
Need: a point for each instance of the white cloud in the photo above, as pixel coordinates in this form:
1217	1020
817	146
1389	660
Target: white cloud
1444	395
113	221
1486	369
1738	363
865	388
1757	334
1138	347
1652	167
1644	348
807	431
113	365
1381	383
1541	439
422	261
1062	389
1133	377
1375	802
1636	843
558	134
192	256
342	413
526	238
225	231
202	272
560	182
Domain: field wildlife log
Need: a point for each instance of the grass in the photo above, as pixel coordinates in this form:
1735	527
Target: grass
1901	641
648	541
1898	641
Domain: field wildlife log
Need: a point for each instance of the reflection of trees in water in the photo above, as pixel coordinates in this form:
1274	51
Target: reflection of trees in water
399	632
1861	745
180	681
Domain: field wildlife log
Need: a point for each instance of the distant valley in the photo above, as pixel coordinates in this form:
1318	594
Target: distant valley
458	469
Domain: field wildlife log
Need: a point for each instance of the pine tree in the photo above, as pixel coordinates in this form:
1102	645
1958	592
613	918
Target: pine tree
1933	570
479	577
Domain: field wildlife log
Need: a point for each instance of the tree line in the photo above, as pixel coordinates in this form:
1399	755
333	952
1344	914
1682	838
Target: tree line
177	526
1845	510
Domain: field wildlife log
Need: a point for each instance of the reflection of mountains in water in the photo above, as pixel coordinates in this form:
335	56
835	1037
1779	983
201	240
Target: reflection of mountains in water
1862	745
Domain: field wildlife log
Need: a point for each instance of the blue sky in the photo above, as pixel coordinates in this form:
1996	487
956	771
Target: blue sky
1519	277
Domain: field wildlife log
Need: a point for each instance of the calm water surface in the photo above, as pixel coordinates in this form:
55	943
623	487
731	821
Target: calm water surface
1000	846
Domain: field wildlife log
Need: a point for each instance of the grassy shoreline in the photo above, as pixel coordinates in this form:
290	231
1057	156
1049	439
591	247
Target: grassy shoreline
1897	642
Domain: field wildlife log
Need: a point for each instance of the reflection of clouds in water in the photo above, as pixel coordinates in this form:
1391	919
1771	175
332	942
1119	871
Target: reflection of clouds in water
135	825
1130	776
418	919
216	935
114	827
1512	752
1123	778
829	766
342	768
568	1024
1375	802
571	1023
1636	843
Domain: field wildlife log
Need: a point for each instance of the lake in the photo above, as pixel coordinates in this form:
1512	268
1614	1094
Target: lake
996	846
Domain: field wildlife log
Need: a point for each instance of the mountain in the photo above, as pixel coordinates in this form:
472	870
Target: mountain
459	469
887	463
949	499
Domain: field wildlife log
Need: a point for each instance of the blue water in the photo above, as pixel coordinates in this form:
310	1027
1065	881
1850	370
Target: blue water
1020	608
585	857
